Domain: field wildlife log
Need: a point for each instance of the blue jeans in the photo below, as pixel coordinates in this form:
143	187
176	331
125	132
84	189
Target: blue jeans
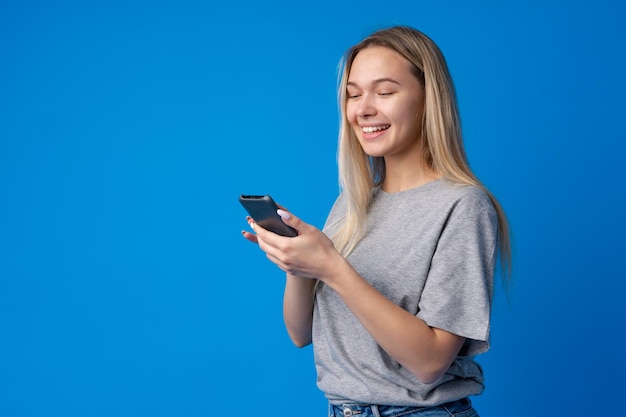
459	408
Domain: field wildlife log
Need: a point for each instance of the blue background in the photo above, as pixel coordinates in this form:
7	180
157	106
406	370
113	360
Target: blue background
129	128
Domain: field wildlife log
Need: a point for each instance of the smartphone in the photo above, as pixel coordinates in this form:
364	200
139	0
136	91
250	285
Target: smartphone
262	209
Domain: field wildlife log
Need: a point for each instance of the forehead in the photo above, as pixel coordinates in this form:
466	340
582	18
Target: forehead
376	62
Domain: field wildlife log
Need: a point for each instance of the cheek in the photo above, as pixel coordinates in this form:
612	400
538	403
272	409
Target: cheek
412	114
352	120
350	113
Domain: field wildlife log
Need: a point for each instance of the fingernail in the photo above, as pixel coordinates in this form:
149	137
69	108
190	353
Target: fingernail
283	214
251	225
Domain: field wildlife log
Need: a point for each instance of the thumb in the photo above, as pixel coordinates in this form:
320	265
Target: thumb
291	220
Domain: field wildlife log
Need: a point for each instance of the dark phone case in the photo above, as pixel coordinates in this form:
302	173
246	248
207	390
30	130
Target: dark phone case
262	209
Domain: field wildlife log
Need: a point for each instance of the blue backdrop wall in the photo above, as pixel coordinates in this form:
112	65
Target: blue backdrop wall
128	130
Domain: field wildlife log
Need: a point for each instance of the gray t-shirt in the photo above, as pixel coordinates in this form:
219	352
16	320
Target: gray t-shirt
431	250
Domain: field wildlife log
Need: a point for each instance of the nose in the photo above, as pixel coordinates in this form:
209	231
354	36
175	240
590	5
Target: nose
365	107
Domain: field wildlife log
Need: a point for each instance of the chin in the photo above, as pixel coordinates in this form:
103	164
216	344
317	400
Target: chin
373	153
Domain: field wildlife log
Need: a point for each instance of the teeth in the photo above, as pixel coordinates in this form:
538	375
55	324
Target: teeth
372	129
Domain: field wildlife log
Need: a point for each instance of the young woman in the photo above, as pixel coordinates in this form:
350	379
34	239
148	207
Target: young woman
395	293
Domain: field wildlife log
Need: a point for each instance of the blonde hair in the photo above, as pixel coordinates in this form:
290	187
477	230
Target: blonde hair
441	135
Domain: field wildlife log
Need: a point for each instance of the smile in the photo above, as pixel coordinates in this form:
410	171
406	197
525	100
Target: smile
372	129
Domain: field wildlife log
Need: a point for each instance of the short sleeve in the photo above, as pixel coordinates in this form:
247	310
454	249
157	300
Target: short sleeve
459	286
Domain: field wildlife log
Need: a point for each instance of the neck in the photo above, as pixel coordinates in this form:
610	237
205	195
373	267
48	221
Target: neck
401	175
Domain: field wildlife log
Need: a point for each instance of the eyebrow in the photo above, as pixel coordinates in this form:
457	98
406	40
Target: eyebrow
376	81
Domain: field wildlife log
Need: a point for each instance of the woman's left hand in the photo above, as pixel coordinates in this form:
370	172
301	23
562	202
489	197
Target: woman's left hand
311	254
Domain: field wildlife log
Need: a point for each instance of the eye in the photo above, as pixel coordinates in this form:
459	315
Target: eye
353	95
386	93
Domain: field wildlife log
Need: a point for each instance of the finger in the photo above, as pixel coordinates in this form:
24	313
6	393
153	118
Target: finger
271	252
263	233
290	220
264	237
276	261
251	237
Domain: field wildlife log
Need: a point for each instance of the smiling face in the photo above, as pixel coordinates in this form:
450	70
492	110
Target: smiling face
385	104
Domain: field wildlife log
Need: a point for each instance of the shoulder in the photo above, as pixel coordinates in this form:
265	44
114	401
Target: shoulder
468	198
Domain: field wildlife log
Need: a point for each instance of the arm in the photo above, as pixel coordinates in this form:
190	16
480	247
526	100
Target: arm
298	309
297	304
427	352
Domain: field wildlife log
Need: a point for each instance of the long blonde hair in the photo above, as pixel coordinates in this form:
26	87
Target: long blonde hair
441	135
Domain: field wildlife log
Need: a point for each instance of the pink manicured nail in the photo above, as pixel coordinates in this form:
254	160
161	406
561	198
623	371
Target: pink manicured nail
283	214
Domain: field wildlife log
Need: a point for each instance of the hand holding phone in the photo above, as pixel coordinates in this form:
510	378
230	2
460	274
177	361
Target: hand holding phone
262	209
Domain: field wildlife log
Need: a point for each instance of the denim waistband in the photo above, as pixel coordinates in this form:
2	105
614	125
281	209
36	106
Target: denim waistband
371	410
